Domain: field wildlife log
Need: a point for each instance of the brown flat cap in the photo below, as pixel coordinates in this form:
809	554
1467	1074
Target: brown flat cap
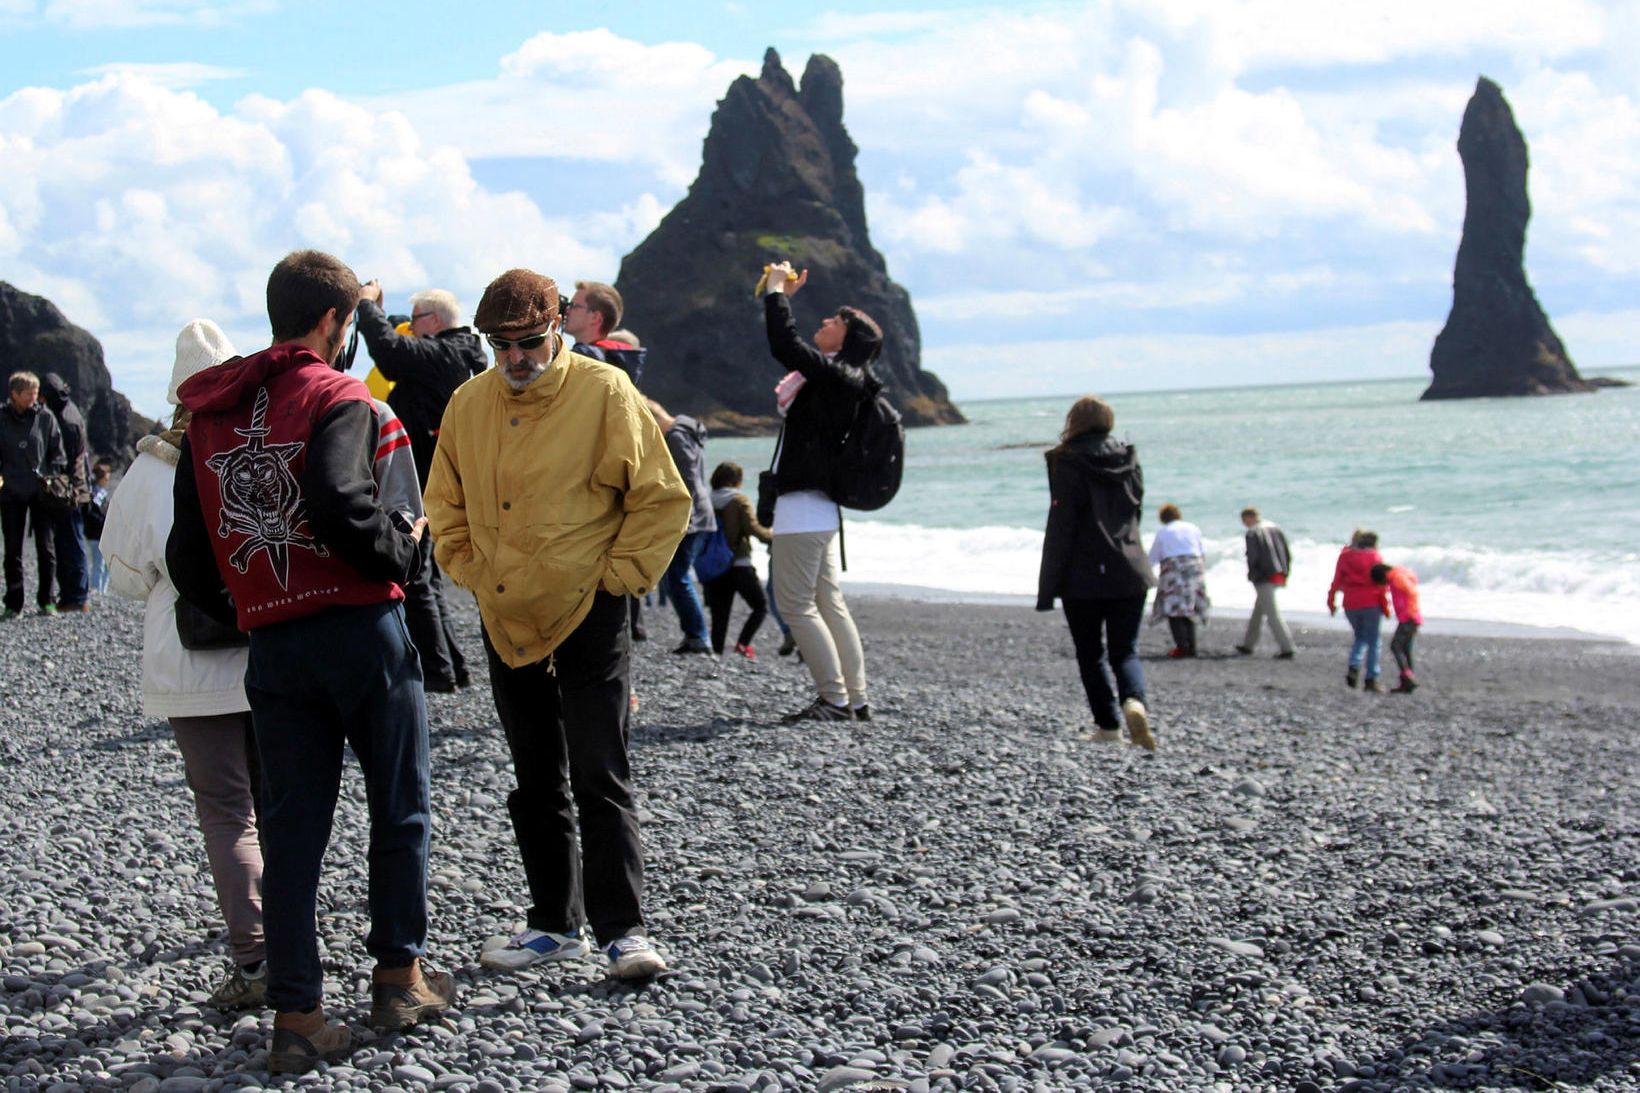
517	300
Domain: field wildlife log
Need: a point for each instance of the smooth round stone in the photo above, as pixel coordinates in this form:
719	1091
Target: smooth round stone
1542	994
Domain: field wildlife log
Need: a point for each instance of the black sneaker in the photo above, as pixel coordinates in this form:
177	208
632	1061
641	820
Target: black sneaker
862	712
819	710
788	645
693	645
1352	677
1244	650
1288	655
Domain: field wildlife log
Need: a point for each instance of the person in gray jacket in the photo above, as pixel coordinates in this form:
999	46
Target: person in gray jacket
686	440
31	444
1268	563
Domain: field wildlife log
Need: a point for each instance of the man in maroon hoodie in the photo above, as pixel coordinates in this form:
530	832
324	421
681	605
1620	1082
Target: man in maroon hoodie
278	530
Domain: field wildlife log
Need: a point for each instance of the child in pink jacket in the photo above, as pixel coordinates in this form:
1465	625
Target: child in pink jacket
1403	593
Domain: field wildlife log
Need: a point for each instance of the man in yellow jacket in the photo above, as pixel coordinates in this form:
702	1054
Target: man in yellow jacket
552	497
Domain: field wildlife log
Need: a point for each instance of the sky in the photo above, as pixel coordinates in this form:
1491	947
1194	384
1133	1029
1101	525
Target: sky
1107	196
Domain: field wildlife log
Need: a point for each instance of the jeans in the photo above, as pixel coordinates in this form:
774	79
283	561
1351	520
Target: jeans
1366	622
73	581
566	720
348	675
1106	636
720	600
17	517
768	594
680	586
99	566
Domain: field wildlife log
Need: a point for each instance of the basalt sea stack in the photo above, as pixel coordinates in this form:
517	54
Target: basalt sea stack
1497	340
776	181
35	337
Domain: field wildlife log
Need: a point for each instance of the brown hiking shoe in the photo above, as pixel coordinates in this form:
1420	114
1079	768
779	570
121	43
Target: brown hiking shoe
296	1053
396	1006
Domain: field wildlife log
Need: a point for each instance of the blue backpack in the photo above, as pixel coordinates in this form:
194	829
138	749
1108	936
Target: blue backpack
715	557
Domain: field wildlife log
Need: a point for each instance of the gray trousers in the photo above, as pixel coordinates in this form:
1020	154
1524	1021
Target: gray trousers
1264	607
219	760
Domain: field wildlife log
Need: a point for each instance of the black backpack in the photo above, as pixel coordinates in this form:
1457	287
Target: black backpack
866	470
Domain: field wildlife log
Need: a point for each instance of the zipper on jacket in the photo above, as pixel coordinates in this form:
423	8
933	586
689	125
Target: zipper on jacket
552	663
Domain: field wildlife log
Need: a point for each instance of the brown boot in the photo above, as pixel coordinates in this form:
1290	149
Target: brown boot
302	1040
402	997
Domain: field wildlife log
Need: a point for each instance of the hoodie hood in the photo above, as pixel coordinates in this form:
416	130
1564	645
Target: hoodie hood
54	391
692	428
1099	455
228	385
722	497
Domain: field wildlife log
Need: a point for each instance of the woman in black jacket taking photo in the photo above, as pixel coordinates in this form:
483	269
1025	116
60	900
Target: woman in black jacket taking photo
1094	562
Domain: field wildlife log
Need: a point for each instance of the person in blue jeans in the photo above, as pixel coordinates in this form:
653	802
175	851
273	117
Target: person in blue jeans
1366	605
1094	561
686	440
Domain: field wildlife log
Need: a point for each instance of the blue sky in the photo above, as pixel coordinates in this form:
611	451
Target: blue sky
1115	195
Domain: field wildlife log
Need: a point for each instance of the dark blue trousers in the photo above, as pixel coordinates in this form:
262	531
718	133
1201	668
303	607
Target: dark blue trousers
73	575
348	675
1106	636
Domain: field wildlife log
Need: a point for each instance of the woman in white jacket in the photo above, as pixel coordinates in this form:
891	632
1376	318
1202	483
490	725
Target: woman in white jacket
200	692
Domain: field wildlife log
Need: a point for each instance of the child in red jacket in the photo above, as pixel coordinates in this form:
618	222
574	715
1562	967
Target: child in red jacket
1403	593
1365	605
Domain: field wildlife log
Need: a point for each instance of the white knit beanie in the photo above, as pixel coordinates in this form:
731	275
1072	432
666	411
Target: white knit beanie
201	345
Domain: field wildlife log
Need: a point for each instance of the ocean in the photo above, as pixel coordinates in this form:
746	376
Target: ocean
1519	512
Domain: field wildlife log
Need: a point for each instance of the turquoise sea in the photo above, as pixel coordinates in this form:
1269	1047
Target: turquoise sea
1518	511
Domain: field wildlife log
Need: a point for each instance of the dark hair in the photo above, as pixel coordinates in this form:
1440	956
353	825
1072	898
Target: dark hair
303	287
1380	573
864	339
1364	540
604	300
727	475
1088	414
1169	513
101	466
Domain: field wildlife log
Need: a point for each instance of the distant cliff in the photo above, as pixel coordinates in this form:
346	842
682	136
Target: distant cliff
35	337
1497	340
776	181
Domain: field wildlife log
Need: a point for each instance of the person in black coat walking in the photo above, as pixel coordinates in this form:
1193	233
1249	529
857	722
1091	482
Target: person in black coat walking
68	528
31	444
1094	562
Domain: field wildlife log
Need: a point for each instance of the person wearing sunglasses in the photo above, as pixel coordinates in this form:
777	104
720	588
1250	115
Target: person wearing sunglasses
426	366
553	498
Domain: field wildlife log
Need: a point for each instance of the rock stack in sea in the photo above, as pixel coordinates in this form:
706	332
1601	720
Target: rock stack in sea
777	181
36	337
1497	340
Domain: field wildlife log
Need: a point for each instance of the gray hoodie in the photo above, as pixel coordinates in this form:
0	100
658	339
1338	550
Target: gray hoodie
686	440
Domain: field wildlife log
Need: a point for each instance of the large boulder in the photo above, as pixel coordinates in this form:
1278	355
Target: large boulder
35	337
1497	340
776	181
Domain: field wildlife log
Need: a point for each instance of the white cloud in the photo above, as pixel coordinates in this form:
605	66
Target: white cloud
138	208
176	75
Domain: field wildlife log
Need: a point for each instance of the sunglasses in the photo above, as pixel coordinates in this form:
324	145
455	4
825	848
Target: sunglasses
532	341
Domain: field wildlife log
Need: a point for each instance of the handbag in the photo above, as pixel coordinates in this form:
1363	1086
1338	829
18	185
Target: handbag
57	494
199	632
768	488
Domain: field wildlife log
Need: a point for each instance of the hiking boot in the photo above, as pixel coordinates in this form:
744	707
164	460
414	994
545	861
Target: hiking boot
243	989
693	645
633	957
534	947
395	1006
1373	686
819	710
862	712
296	1052
11	613
48	609
1352	677
1405	687
74	608
1245	650
746	651
1138	724
788	645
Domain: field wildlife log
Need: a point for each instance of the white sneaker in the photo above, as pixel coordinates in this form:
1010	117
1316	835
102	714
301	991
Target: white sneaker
632	957
534	947
1105	736
1138	725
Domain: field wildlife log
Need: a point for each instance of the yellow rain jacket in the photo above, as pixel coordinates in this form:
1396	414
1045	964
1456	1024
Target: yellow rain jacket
541	497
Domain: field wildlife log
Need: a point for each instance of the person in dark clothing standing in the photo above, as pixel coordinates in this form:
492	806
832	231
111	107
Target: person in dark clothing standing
278	531
1094	562
30	445
426	366
68	529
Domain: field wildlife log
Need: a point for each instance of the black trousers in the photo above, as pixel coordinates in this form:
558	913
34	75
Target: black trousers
427	614
720	600
1184	633
1401	646
16	517
566	723
1106	636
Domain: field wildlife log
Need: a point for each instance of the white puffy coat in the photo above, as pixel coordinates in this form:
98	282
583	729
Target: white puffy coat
175	681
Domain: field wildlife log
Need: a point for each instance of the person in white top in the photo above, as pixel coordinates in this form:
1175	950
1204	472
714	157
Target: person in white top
1181	573
200	691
